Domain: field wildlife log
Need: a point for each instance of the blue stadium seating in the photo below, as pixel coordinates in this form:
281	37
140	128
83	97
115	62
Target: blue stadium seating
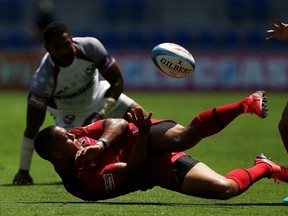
135	40
230	39
183	38
11	10
255	39
207	39
235	10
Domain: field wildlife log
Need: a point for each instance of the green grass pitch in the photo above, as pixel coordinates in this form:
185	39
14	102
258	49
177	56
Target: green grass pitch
234	147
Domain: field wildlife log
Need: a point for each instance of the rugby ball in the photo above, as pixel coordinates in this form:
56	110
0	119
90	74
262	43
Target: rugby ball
173	60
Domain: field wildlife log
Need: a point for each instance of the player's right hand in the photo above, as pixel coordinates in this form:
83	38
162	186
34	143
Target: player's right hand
22	177
88	153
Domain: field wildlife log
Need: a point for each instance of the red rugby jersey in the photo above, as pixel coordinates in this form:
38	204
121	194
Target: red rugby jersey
98	179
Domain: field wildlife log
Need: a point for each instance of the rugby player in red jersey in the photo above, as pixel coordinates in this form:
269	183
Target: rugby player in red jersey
67	84
112	157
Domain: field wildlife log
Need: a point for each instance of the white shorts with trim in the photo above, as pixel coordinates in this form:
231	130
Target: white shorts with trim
74	118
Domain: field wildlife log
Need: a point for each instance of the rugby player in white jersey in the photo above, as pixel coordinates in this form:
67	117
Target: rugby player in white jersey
68	85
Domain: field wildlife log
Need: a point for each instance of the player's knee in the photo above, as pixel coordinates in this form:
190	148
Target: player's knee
225	189
186	138
181	143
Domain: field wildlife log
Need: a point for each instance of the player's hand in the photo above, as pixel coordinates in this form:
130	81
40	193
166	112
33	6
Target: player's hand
279	31
92	118
88	153
22	177
138	118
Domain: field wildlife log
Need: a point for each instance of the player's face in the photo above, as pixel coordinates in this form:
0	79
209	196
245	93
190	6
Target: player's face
67	142
61	49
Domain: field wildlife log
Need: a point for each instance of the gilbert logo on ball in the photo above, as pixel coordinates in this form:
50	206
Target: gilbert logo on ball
173	60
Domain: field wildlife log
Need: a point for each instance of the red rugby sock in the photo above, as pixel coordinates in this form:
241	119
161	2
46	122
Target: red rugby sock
214	120
246	177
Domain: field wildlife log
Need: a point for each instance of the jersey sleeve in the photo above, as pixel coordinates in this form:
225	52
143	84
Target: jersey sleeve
95	51
42	85
93	130
98	184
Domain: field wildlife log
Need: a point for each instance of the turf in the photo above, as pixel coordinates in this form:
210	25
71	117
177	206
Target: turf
234	147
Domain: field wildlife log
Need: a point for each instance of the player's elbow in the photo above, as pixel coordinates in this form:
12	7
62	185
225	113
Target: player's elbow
119	85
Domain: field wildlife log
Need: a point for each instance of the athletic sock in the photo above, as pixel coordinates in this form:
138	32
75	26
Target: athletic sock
214	120
246	177
26	153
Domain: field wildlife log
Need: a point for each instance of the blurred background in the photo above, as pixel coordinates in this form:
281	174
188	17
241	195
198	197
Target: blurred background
226	38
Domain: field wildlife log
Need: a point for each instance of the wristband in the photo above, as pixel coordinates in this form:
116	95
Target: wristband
26	152
101	144
107	105
104	142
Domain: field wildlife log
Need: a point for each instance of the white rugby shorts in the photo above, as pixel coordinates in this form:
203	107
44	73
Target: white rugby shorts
74	118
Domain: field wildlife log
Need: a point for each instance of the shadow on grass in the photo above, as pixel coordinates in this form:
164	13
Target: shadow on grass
35	184
213	205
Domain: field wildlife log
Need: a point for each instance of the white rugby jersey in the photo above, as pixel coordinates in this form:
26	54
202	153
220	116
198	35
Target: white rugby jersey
72	87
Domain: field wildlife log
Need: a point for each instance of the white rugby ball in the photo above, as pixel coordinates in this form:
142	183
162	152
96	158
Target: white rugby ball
173	60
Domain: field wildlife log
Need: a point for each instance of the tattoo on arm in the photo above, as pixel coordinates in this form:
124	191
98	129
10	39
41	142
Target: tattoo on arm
114	129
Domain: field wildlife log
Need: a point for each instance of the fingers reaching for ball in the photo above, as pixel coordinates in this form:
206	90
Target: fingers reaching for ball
138	117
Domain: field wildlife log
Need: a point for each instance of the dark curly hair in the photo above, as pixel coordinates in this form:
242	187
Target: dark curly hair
54	29
44	142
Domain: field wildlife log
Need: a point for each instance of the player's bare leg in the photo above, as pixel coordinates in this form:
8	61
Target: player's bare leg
202	181
169	136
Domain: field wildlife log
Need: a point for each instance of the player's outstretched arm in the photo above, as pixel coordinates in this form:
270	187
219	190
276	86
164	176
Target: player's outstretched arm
35	118
114	76
138	155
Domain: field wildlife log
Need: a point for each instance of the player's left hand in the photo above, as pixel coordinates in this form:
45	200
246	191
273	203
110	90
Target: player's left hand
138	118
279	31
88	153
22	177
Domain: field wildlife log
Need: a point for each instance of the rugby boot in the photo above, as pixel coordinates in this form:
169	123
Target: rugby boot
279	173
256	103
